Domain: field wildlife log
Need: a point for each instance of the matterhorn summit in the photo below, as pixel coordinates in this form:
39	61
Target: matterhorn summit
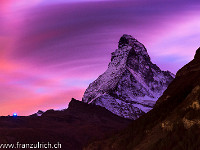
131	84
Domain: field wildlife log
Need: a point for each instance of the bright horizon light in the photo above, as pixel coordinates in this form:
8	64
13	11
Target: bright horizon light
14	114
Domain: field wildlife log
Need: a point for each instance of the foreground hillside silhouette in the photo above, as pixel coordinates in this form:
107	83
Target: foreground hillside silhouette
73	128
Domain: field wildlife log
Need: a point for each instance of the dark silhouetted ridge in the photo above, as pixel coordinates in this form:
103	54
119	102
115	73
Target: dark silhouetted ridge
73	127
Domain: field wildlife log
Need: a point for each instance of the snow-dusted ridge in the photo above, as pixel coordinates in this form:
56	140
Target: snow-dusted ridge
131	84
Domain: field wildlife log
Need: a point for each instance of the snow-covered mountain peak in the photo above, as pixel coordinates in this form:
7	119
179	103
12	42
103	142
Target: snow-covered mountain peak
131	84
126	40
129	50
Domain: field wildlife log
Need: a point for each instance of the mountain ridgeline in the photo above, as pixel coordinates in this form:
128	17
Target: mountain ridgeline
131	84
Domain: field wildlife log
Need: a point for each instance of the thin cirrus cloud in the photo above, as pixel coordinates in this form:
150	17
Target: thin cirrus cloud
50	48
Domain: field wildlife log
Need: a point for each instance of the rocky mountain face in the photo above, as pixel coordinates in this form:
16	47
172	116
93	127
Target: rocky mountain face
131	84
73	127
173	123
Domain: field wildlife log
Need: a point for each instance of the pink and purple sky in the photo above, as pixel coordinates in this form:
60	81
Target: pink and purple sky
52	49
